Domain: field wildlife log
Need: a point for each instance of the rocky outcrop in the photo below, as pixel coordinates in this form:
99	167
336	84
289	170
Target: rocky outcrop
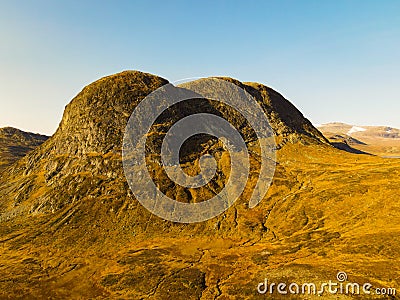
82	160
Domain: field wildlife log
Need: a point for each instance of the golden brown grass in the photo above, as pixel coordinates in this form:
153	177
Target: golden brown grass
326	211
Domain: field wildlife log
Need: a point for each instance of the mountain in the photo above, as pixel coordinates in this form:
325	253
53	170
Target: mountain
87	145
377	140
72	229
15	143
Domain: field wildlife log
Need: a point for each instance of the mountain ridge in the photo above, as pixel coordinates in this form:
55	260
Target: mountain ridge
15	143
93	124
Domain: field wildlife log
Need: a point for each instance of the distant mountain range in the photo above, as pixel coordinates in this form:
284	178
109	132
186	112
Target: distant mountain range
378	140
15	143
361	131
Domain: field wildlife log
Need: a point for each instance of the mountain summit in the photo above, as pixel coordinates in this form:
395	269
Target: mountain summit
82	159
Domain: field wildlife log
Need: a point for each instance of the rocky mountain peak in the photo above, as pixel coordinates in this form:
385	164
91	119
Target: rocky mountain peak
83	158
95	120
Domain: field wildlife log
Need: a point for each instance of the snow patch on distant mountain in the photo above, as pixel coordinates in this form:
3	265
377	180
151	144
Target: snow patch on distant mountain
355	129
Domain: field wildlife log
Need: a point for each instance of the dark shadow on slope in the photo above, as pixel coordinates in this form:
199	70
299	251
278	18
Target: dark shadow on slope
345	147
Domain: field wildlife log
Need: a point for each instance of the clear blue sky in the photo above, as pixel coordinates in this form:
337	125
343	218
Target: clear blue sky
335	60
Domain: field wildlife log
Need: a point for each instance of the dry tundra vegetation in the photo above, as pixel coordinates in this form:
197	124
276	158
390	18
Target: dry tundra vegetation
71	229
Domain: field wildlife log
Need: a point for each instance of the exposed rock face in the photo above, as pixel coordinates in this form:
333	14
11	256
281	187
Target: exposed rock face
15	143
85	150
286	120
95	119
83	158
